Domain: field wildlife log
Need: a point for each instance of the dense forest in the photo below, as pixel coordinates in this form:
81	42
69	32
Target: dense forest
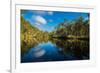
77	29
72	29
30	35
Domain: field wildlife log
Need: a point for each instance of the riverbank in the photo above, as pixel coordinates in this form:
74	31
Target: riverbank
72	37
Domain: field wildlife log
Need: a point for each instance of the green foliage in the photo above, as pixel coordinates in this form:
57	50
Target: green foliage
31	36
79	27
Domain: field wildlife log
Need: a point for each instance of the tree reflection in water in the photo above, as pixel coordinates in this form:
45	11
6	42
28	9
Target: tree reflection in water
71	49
76	48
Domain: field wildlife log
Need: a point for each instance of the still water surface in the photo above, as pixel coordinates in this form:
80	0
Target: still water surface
57	50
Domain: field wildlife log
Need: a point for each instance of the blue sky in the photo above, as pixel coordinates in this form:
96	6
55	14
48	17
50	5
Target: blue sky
48	20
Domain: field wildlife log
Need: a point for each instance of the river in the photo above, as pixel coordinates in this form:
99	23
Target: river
57	50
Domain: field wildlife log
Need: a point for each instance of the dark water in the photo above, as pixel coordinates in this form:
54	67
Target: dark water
57	50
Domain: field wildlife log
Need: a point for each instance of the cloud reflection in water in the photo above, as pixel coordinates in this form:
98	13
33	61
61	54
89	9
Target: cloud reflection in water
38	52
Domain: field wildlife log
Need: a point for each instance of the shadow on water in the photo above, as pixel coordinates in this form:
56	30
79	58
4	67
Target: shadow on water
55	50
77	48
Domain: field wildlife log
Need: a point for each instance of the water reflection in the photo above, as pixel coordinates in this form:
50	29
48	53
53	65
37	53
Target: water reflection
56	50
38	52
79	49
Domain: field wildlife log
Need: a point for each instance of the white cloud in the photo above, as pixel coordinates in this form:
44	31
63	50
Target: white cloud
39	12
37	23
39	52
39	20
50	13
86	18
43	12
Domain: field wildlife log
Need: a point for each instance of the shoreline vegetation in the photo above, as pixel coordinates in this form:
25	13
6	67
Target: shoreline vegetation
73	30
73	37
